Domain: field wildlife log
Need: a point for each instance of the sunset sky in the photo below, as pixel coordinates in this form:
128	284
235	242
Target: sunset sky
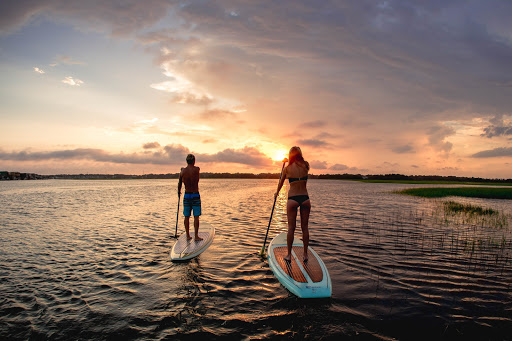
370	87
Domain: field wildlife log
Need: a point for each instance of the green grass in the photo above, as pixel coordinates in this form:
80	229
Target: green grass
426	182
455	207
474	192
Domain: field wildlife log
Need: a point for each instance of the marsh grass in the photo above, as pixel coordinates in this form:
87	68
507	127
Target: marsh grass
455	207
457	214
474	192
473	237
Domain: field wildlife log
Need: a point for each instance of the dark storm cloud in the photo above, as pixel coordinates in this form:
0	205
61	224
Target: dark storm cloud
496	152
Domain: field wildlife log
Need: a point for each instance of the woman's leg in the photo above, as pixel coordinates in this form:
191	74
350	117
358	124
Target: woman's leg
305	209
291	212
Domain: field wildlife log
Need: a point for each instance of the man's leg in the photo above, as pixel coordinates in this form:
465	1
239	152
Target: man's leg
196	207
196	228
187	227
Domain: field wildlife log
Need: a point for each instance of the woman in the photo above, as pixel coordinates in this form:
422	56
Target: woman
297	173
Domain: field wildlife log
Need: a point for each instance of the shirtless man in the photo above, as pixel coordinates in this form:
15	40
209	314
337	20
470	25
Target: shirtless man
191	200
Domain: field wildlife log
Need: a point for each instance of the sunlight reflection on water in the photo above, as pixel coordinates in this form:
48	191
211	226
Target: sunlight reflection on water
89	259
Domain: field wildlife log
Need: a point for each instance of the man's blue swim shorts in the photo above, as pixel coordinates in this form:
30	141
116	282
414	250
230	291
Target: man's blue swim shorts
191	202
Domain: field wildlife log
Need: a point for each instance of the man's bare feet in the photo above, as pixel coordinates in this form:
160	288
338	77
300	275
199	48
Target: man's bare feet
305	258
197	238
188	237
288	258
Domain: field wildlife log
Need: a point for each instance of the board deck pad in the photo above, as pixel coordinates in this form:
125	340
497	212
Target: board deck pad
191	245
291	268
312	266
308	279
185	249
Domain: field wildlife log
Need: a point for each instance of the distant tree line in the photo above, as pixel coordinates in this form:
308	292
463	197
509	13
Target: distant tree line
207	175
449	178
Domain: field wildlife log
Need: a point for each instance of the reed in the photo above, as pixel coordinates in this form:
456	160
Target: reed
477	237
455	207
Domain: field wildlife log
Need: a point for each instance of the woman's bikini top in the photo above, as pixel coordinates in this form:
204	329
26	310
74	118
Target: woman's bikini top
305	178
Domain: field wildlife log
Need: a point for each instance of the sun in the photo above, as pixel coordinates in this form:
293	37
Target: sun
279	155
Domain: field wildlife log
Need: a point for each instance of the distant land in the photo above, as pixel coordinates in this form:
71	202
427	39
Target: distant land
5	175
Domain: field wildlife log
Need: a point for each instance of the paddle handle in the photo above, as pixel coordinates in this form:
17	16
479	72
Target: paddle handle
272	213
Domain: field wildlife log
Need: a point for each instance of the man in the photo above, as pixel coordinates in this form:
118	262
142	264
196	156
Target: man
191	200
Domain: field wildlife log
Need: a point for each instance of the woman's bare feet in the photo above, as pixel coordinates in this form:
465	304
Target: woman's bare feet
288	258
305	257
197	238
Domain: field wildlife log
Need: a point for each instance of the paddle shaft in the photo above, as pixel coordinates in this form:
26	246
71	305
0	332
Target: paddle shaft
272	213
177	215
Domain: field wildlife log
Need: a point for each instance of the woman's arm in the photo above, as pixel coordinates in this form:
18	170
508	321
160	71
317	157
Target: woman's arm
281	182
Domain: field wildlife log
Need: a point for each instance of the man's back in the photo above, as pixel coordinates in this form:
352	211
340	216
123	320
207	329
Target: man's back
190	177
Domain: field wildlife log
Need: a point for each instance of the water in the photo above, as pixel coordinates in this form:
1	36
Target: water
89	260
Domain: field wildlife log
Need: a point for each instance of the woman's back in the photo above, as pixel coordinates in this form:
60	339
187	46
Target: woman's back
297	174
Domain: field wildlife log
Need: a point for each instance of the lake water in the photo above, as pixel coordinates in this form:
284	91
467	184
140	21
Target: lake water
89	260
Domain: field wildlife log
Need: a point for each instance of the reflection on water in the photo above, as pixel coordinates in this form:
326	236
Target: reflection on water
90	259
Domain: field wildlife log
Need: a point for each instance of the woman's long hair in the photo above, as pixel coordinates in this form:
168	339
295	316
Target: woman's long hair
295	155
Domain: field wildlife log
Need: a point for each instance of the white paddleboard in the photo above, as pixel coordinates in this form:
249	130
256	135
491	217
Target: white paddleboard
185	249
306	280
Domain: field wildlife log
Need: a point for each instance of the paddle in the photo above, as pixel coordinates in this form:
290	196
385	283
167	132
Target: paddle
177	215
285	160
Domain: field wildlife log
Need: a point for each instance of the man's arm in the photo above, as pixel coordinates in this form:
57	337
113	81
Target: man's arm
180	182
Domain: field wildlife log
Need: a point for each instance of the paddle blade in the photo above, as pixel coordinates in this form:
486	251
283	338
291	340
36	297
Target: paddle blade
262	252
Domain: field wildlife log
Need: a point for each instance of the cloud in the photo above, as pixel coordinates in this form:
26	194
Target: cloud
496	152
374	65
312	143
151	145
313	124
72	81
218	114
97	14
172	154
346	169
247	156
493	131
191	98
60	59
403	149
38	70
325	135
498	128
437	137
318	164
339	166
